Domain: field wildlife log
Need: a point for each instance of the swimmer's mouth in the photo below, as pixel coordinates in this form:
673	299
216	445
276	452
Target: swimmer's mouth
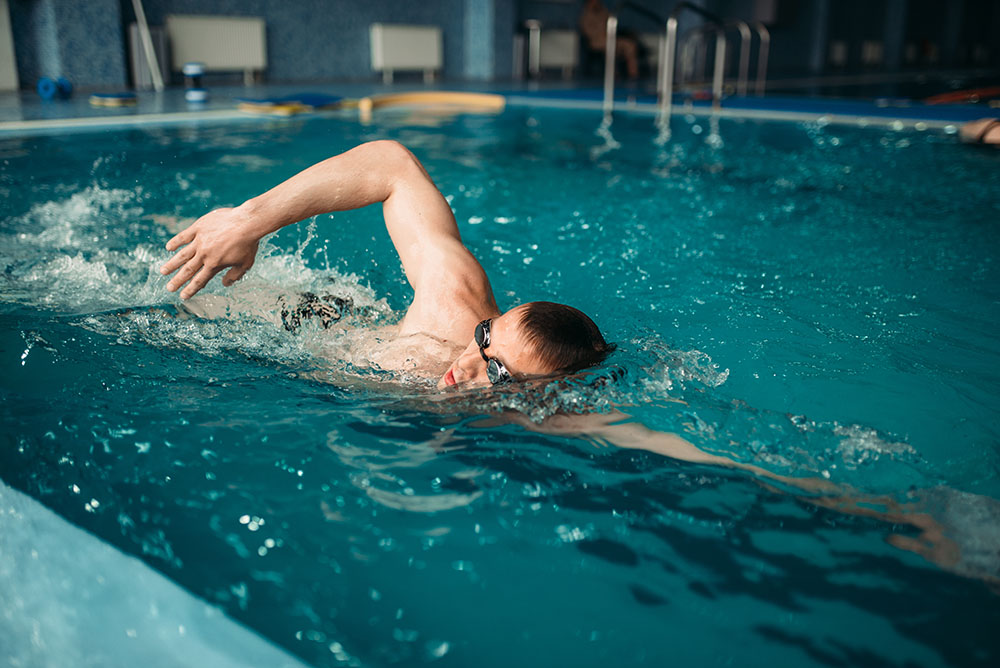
449	378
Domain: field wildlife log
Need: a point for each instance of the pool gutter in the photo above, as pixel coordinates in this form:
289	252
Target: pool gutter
894	114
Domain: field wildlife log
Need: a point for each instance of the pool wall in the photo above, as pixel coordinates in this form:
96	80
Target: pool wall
326	40
307	40
67	594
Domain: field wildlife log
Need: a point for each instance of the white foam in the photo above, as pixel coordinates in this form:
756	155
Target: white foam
860	446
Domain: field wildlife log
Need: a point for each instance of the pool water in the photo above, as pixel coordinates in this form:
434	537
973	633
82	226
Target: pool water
818	301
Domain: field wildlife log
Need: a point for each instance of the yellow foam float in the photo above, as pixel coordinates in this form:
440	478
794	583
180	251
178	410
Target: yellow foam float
289	109
113	99
447	100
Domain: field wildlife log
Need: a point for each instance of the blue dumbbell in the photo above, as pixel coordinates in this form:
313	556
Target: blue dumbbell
65	87
47	88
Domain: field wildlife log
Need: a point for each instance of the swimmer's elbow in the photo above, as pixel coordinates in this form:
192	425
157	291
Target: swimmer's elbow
392	156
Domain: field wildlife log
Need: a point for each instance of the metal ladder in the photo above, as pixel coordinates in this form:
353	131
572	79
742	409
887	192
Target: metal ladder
668	52
746	41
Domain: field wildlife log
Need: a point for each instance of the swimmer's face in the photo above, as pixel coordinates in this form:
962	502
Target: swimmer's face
508	344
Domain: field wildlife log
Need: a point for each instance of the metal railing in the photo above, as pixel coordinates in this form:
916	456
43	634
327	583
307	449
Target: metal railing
692	40
668	54
610	46
764	49
746	41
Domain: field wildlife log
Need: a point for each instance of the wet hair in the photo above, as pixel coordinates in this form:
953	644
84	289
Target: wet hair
563	337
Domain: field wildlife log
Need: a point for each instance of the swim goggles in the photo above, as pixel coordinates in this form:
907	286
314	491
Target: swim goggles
495	370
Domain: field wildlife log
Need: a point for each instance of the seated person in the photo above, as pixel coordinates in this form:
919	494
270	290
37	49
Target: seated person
594	26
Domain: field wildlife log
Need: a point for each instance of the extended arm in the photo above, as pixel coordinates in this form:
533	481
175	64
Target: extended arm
619	429
933	542
418	218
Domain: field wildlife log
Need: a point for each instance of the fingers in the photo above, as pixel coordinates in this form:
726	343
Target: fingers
910	544
171	265
184	275
233	275
199	281
180	239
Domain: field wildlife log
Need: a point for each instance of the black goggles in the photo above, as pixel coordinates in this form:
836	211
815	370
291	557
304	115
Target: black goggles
495	370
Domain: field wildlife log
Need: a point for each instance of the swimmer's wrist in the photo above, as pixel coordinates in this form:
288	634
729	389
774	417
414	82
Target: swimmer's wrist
254	219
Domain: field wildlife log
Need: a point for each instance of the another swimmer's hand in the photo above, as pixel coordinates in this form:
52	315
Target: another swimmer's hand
214	242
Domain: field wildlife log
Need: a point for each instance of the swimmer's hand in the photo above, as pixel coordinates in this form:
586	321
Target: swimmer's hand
218	240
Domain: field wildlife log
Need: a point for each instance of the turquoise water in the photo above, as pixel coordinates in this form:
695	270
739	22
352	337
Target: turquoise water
818	301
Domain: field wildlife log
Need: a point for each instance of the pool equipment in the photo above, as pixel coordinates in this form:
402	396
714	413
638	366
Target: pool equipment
49	88
694	41
290	104
474	102
194	91
967	96
125	99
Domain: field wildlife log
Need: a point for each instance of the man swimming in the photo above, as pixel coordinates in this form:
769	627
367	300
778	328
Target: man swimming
453	327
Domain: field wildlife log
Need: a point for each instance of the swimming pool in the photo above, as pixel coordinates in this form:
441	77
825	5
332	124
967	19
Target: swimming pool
817	300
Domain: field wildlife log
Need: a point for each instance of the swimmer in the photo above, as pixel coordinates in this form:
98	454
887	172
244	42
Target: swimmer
455	331
453	328
984	132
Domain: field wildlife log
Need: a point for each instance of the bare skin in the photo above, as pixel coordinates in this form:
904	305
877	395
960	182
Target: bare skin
452	293
984	131
593	25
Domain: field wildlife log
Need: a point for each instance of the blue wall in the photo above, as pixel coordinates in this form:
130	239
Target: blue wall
81	41
307	40
328	39
317	40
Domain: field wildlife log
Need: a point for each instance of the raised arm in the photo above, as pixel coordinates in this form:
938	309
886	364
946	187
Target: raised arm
418	218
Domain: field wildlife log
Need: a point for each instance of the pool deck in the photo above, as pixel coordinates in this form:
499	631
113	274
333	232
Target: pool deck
26	113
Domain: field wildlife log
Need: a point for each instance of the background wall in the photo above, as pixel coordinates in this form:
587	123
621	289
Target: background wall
81	41
323	40
311	40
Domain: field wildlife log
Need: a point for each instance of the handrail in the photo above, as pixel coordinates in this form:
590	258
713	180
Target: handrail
611	43
667	54
670	52
765	46
534	28
743	72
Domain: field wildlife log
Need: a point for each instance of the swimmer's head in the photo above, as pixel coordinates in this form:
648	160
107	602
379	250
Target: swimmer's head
533	340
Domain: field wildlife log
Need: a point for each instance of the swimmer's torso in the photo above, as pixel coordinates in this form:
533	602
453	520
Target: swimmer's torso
384	348
346	336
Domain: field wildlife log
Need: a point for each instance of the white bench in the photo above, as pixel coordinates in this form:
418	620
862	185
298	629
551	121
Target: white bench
403	47
222	43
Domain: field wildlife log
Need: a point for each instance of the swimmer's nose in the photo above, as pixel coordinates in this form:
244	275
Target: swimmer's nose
469	366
